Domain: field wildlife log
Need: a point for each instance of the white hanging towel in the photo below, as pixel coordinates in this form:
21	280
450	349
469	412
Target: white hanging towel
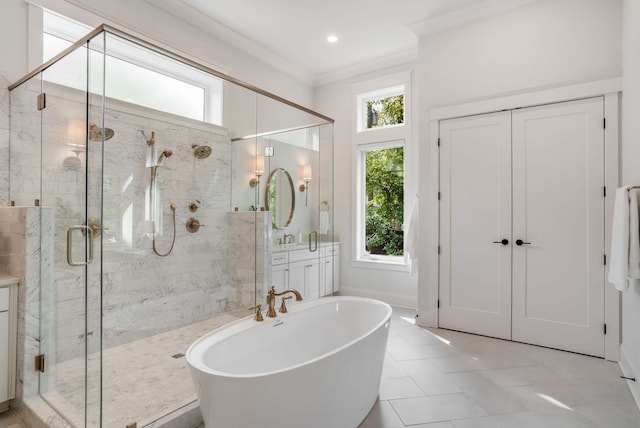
620	261
411	246
324	222
634	239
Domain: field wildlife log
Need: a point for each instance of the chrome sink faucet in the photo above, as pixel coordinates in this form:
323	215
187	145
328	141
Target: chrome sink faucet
271	313
288	239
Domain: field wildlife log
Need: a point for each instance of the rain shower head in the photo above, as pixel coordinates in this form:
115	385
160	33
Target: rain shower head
201	152
97	134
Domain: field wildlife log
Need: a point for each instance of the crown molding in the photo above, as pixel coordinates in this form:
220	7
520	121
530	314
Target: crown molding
464	16
366	67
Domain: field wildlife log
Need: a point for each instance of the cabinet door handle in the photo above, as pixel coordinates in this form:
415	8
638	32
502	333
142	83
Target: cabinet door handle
503	242
521	242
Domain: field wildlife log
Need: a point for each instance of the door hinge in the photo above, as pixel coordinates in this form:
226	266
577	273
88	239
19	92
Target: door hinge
42	101
438	249
604	328
39	363
438	303
438	195
605	191
604	122
438	141
605	259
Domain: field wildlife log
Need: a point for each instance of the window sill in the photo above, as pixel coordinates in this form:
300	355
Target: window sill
396	264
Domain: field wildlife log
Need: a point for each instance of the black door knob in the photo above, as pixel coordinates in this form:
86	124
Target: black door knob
503	242
521	242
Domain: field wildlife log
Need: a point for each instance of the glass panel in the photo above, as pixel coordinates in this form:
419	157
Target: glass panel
291	142
383	112
326	226
384	200
65	323
25	179
96	133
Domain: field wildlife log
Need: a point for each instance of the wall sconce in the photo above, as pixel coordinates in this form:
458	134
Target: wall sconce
259	171
255	182
306	176
76	138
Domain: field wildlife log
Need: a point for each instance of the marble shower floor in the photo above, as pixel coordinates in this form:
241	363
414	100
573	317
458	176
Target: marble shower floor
142	380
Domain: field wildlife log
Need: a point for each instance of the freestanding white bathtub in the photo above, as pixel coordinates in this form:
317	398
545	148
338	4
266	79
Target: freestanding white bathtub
317	366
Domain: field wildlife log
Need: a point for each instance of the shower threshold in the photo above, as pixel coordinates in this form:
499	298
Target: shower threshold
146	382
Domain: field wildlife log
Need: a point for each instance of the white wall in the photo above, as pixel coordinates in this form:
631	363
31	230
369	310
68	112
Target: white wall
630	175
398	288
547	44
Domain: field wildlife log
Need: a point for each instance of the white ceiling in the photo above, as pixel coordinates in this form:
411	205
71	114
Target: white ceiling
291	34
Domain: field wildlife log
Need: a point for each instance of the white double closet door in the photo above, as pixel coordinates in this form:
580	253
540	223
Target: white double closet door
522	225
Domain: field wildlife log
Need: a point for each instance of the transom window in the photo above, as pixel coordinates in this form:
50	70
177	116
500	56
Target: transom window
381	109
134	74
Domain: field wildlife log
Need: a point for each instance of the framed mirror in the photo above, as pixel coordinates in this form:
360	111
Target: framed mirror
280	198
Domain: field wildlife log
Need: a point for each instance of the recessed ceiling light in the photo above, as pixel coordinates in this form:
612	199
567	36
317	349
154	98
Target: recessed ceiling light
332	39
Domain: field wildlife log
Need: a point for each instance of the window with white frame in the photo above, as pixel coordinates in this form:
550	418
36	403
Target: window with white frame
381	109
381	167
135	74
380	138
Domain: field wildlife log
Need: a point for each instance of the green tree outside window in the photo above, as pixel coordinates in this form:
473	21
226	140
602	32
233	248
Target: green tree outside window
385	182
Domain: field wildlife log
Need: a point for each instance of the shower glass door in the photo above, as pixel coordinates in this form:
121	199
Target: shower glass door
70	251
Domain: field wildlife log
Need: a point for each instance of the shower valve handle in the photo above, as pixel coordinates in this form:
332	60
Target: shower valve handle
193	225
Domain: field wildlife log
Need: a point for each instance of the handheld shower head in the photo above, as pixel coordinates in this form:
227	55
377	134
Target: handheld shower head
163	155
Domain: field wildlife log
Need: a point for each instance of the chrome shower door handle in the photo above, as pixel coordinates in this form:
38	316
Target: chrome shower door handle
89	231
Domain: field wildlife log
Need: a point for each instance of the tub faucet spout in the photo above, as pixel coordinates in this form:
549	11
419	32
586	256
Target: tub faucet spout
272	299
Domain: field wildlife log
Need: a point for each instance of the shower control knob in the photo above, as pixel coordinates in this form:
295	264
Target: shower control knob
193	225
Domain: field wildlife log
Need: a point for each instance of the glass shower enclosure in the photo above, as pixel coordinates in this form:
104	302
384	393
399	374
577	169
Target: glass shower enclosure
164	191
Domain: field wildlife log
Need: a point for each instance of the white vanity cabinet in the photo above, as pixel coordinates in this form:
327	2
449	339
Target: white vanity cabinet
313	273
280	270
304	272
8	331
331	270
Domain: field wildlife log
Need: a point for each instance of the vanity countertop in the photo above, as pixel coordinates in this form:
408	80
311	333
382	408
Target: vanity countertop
6	280
299	246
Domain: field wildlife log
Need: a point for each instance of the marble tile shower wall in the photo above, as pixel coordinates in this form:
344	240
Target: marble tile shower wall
4	141
20	256
142	294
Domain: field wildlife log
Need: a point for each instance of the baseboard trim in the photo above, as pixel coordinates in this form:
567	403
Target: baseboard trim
628	370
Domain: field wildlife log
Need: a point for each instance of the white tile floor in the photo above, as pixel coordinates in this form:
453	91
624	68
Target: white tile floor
435	378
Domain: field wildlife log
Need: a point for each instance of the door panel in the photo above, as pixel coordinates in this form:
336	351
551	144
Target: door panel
475	272
558	206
